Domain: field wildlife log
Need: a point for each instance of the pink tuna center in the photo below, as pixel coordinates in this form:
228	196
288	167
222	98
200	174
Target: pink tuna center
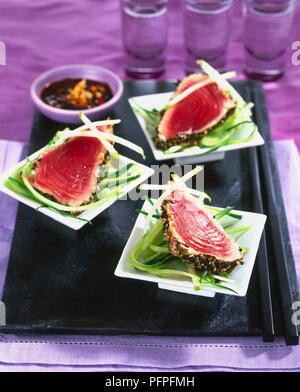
197	229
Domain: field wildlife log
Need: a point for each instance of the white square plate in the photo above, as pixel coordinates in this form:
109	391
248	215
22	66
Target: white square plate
241	273
88	214
159	101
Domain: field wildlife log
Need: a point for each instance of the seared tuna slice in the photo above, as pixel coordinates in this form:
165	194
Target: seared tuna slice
187	121
195	236
68	172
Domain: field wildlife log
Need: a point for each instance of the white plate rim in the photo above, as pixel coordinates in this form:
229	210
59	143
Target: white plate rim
88	214
250	257
159	154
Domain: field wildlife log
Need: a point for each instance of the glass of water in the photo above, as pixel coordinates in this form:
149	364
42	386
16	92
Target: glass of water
145	37
207	25
267	26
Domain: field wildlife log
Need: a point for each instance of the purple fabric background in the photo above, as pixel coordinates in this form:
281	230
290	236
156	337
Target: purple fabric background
40	35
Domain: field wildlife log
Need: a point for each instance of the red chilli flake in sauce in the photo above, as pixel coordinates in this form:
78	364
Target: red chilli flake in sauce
76	94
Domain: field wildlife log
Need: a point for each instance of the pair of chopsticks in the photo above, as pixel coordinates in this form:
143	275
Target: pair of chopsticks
262	253
273	199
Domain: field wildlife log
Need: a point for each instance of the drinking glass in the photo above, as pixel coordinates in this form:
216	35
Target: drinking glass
267	26
145	37
206	32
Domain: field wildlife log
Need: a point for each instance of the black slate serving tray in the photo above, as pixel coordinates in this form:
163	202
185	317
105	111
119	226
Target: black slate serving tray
61	281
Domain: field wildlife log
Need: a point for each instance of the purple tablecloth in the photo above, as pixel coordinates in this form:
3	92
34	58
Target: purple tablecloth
40	35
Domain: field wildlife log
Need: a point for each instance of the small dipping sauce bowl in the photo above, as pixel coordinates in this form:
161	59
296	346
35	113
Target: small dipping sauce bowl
76	71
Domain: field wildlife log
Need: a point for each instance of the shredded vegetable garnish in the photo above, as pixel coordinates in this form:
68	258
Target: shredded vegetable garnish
225	134
177	183
151	254
110	186
107	136
187	92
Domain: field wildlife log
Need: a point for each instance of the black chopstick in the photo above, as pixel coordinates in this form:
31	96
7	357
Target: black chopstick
280	257
262	253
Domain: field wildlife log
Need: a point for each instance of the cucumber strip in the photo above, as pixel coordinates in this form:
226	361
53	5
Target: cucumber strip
219	134
238	229
165	273
155	258
221	144
120	172
151	116
153	268
245	250
173	149
247	139
122	182
151	123
18	188
159	249
17	174
162	257
151	235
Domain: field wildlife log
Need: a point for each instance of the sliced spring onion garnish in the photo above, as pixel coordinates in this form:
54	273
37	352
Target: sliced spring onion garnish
98	124
190	90
187	92
229	75
151	116
177	183
90	129
189	175
220	277
231	214
112	180
151	254
110	148
222	82
157	187
224	212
